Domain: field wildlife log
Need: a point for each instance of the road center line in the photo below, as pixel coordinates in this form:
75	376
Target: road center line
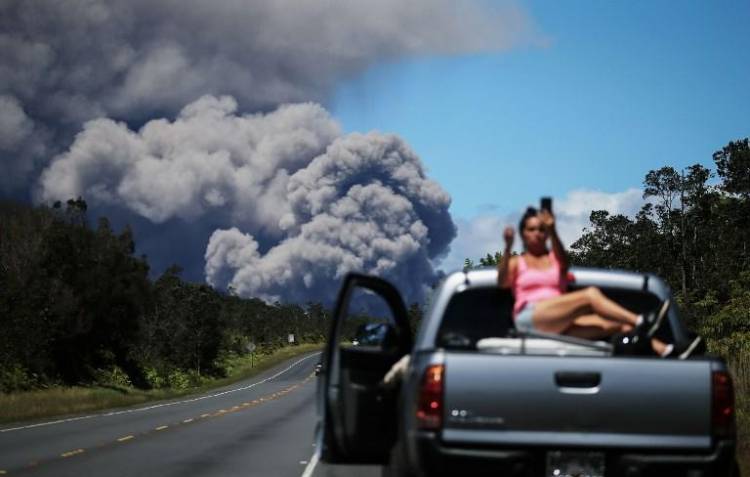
156	406
72	453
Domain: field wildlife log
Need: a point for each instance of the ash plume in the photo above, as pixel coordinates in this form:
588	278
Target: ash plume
63	63
200	123
295	203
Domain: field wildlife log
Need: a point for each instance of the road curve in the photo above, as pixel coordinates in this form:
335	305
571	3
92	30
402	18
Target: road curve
263	426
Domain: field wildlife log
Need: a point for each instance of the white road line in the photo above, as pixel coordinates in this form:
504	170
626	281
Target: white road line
156	406
311	466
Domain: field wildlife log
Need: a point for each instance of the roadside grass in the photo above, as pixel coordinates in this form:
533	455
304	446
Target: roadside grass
66	401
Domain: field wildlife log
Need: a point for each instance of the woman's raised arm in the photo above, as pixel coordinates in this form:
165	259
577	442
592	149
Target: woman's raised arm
504	269
548	220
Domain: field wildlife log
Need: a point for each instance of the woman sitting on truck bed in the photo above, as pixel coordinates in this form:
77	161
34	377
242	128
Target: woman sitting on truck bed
537	279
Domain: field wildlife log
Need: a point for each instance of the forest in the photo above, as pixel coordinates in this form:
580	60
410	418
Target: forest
694	231
77	306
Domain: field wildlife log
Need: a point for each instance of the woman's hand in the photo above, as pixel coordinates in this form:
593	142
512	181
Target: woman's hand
547	220
508	235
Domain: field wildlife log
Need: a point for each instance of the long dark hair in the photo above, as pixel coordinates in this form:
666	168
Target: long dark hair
530	212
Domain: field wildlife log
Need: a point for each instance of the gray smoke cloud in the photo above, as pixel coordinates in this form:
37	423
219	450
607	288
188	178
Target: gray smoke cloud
66	62
364	205
296	203
200	123
209	160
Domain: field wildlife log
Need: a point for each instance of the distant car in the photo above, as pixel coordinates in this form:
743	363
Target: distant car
480	398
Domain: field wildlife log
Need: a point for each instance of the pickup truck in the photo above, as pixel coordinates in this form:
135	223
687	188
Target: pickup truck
479	398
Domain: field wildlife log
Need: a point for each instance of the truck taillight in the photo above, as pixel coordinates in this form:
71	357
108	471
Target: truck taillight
722	406
430	404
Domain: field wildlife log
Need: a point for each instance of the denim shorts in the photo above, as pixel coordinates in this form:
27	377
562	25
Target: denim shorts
523	319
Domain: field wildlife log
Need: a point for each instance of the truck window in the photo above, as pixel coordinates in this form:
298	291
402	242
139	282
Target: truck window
486	312
368	322
474	314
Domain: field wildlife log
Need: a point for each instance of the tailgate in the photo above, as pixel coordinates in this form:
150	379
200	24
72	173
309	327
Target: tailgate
577	401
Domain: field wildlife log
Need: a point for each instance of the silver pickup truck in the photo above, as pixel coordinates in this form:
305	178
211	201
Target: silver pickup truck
477	398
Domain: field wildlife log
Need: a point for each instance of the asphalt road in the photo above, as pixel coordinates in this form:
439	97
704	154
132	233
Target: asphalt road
260	427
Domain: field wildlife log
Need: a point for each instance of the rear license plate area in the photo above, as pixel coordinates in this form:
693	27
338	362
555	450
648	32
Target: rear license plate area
575	464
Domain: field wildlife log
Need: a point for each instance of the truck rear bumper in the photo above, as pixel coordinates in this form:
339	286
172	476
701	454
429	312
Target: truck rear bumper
436	459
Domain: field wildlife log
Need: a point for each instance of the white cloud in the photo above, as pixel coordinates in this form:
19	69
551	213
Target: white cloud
477	236
572	212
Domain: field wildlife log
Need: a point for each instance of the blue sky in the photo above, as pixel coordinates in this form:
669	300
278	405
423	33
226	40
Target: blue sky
574	99
613	90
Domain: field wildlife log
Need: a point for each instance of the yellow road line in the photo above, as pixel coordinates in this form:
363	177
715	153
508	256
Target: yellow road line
72	453
161	428
126	438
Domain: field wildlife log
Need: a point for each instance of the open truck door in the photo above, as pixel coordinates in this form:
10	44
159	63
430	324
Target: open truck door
369	333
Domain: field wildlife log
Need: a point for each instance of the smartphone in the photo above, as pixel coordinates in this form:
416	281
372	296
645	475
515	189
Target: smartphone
546	204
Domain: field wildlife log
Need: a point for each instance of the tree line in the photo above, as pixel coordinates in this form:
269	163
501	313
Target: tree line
78	307
694	231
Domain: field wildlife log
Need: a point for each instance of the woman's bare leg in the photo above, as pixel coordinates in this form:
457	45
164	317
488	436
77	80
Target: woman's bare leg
610	309
557	314
594	327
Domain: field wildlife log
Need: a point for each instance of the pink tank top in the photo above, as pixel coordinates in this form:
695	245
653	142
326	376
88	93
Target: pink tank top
531	285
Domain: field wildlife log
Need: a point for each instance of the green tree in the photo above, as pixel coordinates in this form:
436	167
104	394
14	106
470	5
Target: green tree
733	166
184	329
490	260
